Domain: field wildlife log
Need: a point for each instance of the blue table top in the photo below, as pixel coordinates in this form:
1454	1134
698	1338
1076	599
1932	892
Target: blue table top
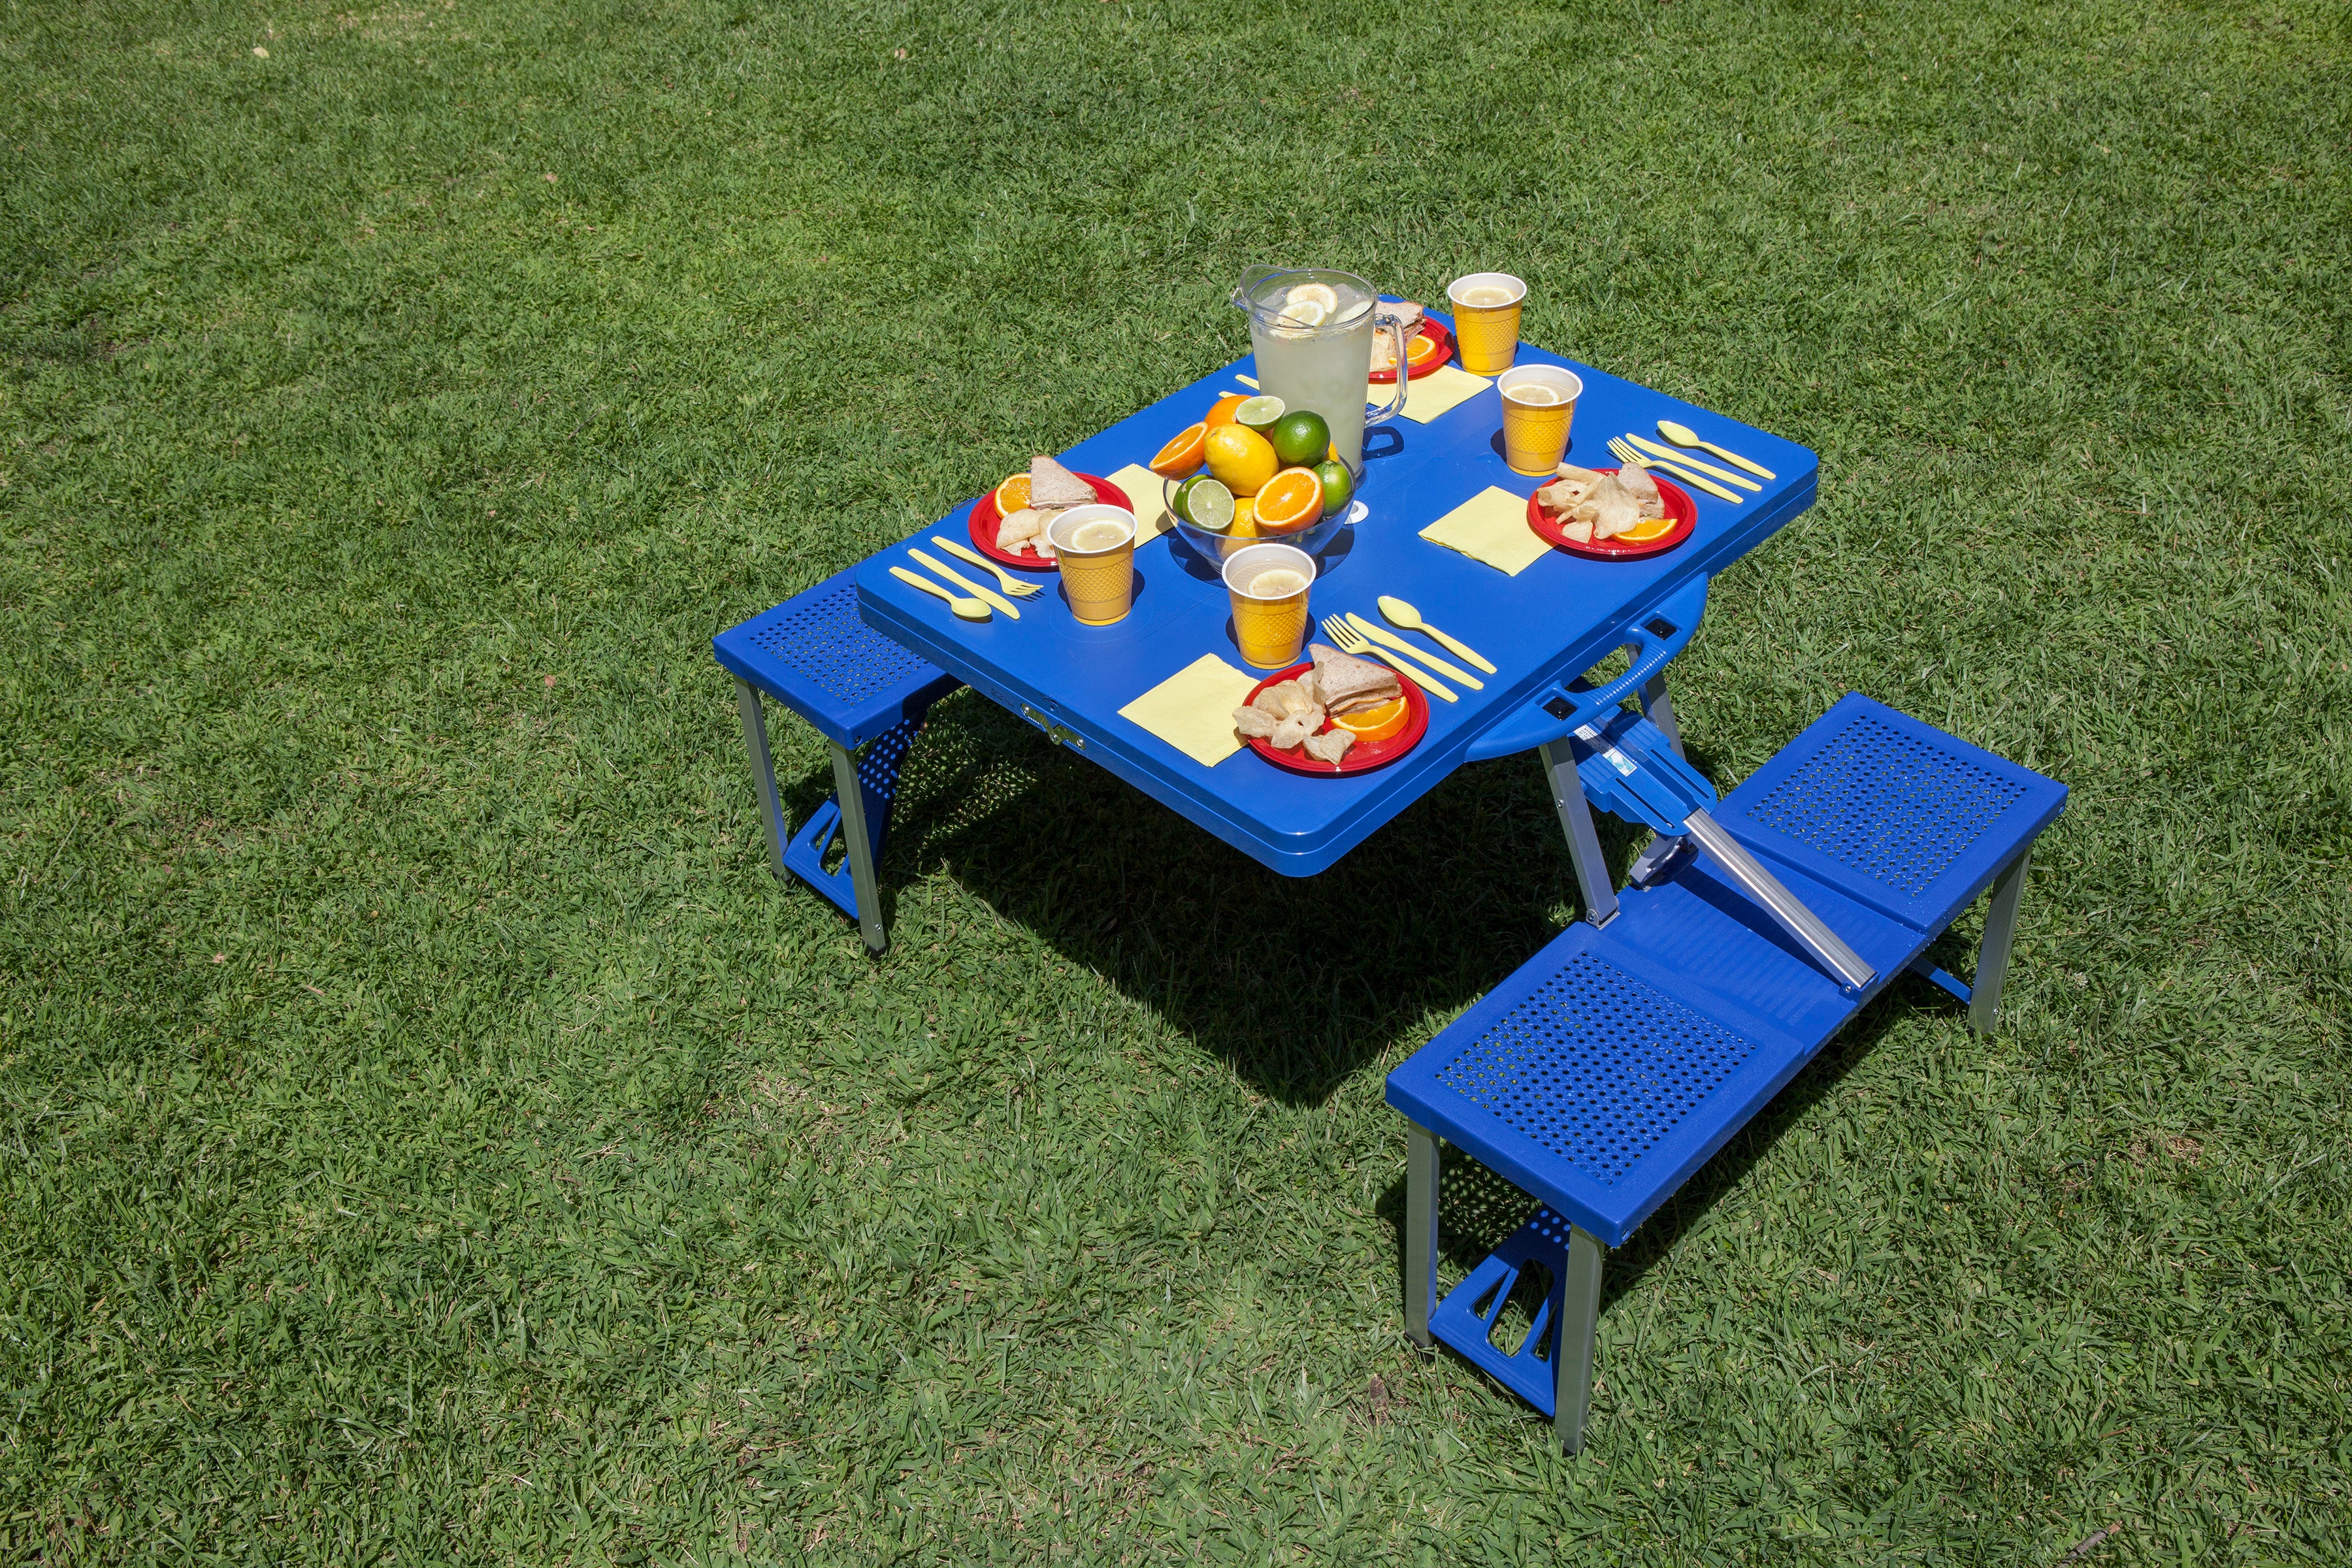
1558	618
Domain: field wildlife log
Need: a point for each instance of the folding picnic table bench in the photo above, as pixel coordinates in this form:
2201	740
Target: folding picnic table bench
1615	1062
816	656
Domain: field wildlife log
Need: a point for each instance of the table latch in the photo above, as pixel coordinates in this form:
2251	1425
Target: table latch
1060	734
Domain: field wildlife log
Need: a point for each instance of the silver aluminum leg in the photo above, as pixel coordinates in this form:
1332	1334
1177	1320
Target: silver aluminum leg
1992	956
763	769
1584	839
1789	911
1420	1231
851	797
1579	1317
1659	709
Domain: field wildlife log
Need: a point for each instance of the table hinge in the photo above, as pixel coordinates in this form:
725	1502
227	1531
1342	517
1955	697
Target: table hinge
1060	734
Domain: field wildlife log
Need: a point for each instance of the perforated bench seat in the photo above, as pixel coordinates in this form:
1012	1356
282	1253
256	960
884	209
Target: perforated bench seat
817	656
1617	1061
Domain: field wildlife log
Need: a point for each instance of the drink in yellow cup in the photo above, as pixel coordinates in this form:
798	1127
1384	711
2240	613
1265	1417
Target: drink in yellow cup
1269	583
1486	319
1538	406
1095	548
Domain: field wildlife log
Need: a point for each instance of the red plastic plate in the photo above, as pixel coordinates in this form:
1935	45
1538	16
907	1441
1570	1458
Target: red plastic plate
1436	332
985	517
1364	755
1679	507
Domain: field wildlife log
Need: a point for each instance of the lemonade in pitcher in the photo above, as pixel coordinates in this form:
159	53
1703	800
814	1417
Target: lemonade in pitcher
1312	330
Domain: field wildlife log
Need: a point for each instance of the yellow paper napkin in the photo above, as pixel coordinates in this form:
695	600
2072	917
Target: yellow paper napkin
1491	527
1192	709
1144	489
1434	393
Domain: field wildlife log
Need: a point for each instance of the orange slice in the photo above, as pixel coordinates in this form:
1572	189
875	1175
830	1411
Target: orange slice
1182	457
1657	527
1291	501
1420	352
1374	724
1223	413
1012	495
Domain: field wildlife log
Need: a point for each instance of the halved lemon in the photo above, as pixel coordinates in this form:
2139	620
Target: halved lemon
1291	501
1180	458
1374	724
1221	411
1012	495
1655	527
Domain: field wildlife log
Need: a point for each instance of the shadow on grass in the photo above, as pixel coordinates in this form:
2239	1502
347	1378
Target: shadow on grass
1299	982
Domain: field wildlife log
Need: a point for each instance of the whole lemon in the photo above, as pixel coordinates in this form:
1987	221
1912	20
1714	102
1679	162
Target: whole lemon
1241	458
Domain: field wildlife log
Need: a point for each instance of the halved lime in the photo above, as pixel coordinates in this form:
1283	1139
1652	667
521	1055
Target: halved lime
1205	503
1259	413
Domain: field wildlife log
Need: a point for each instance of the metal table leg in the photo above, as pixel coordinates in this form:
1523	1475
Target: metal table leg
1659	709
1992	956
763	770
1420	1231
1583	839
1579	1318
851	796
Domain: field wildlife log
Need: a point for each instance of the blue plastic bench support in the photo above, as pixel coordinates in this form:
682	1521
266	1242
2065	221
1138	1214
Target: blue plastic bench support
1619	1060
813	653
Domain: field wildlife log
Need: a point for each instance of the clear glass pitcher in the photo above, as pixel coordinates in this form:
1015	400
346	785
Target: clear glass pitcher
1311	329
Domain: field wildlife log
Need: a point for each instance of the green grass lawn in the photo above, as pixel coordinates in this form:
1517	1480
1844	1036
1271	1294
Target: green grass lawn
426	1133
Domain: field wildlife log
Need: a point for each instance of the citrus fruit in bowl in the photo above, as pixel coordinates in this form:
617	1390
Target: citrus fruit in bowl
1241	458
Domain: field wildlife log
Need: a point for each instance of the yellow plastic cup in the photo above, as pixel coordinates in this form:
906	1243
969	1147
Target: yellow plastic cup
1538	406
1269	628
1098	575
1486	319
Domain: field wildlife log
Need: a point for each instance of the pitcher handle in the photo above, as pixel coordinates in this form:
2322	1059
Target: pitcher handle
1403	375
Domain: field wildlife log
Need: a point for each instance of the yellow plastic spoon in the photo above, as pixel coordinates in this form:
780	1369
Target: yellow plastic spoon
1684	435
1405	616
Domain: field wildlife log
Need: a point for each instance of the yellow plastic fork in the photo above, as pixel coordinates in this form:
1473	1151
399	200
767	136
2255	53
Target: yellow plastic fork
1350	640
1014	588
1624	454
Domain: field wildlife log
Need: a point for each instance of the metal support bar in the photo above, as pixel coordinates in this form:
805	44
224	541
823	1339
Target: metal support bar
1583	839
763	769
851	797
1420	1231
1659	709
1992	956
1579	1316
1785	908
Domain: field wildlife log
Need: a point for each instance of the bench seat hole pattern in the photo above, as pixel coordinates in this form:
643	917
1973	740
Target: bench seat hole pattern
1596	1066
822	640
1886	804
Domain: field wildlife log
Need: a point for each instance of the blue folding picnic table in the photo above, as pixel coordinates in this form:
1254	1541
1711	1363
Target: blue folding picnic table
1616	1061
1560	616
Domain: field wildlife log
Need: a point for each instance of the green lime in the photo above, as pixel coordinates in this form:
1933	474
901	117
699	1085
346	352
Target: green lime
1259	413
1301	438
1338	485
1204	503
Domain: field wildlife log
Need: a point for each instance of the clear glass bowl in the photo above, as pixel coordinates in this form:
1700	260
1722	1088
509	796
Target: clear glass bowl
1313	539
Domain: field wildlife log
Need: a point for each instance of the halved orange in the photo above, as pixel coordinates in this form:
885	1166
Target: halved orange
1374	724
1420	352
1642	534
1222	413
1012	495
1291	501
1182	457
